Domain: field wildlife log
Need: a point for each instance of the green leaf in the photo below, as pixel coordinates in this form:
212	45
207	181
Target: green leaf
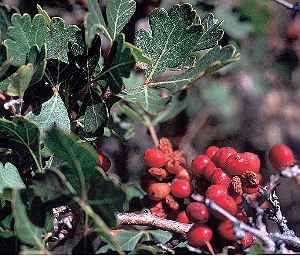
81	159
53	113
49	186
5	18
210	62
19	81
38	57
137	92
138	54
171	39
25	230
118	13
161	236
94	22
10	177
256	249
24	132
95	117
122	63
23	34
211	32
44	14
59	37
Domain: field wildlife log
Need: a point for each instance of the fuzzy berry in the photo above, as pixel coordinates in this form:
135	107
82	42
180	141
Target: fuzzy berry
220	177
199	164
181	188
214	191
158	191
197	212
199	235
222	155
247	241
103	161
183	218
155	157
281	156
209	170
211	151
239	163
226	230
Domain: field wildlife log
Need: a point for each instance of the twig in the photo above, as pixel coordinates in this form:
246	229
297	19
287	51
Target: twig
261	235
285	4
153	134
152	220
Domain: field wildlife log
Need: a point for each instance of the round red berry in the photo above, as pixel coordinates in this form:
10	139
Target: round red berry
199	235
103	161
220	177
239	163
158	191
215	191
281	156
155	157
197	212
226	230
183	218
181	188
199	164
209	170
222	155
211	151
247	241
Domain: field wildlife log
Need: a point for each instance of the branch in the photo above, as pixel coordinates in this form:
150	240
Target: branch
261	235
285	4
147	219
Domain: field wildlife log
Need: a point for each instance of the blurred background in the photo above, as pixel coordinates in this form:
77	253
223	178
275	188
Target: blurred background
250	105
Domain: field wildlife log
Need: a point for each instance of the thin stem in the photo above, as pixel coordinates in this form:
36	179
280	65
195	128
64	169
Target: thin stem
153	134
284	3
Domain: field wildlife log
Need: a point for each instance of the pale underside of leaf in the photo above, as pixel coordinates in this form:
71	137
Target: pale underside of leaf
10	177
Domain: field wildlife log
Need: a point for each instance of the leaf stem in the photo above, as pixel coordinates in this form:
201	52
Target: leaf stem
152	130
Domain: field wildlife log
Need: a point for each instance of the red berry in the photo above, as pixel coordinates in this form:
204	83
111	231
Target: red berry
281	156
209	170
183	218
242	215
226	230
214	191
103	161
197	212
158	191
222	155
247	241
199	235
181	188
211	151
220	177
219	194
199	164
155	157
239	163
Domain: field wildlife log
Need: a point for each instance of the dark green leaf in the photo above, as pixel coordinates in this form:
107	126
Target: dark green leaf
53	113
5	18
49	186
20	80
23	34
118	13
171	40
94	22
10	177
23	131
59	37
160	236
80	158
256	249
95	117
122	63
25	230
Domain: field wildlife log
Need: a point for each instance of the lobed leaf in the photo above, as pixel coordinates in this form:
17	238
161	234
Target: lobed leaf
10	177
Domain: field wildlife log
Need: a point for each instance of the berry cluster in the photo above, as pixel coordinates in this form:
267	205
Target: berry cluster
222	175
